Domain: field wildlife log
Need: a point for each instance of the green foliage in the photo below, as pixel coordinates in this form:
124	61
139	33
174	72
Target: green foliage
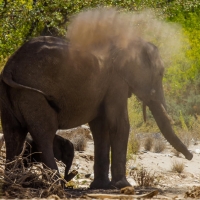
136	117
21	20
183	124
181	81
133	145
135	112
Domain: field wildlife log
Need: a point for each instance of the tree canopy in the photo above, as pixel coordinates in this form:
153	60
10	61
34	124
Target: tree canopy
21	20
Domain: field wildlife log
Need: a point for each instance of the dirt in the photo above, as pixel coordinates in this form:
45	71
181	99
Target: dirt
169	184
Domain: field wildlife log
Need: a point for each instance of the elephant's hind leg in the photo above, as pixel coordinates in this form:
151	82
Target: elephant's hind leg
101	154
14	135
42	123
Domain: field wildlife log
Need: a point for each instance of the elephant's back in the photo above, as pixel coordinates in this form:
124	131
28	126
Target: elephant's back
46	63
76	80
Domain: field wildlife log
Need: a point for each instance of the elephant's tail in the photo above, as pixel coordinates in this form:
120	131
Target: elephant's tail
5	101
7	78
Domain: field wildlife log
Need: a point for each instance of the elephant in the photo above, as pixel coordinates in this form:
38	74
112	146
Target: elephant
63	151
45	86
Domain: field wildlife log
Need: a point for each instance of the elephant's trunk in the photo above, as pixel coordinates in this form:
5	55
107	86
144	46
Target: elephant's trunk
163	122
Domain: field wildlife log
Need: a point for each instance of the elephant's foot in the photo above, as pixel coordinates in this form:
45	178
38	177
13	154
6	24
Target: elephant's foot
119	184
100	184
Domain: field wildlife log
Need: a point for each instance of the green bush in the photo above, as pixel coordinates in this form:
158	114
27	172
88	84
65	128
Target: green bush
20	20
133	145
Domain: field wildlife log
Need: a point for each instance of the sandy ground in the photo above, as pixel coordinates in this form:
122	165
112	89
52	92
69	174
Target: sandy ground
169	184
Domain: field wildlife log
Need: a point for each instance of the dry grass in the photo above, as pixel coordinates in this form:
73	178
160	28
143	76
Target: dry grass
185	137
175	152
148	143
133	146
177	166
193	193
78	136
194	127
144	178
27	183
79	142
159	146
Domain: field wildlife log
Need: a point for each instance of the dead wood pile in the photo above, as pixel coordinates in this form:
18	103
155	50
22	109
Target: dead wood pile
31	182
194	192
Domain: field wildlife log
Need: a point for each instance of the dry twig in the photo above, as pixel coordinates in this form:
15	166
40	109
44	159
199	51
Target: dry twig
33	182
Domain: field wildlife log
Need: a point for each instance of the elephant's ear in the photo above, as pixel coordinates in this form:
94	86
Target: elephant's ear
134	66
127	65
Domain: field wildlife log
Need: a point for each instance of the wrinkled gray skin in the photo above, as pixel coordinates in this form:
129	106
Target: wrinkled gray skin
73	88
63	151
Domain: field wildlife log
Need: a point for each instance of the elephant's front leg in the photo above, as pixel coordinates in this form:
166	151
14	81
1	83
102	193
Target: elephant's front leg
101	154
119	133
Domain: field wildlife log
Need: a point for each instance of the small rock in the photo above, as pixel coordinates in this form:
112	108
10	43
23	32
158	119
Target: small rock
77	162
128	190
92	176
169	155
133	168
83	186
131	181
87	175
197	151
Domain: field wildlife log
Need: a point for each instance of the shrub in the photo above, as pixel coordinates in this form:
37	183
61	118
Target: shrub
159	146
185	137
148	143
79	142
195	126
144	178
177	166
175	152
136	117
133	145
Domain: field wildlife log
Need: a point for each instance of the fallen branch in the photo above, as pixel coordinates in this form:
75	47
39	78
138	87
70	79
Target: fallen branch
122	196
29	182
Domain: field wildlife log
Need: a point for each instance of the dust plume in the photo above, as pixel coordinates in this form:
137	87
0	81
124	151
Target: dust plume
98	29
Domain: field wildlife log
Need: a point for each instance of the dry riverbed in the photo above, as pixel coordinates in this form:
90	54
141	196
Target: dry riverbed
170	184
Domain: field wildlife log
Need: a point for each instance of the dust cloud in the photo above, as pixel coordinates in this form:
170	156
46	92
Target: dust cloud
98	29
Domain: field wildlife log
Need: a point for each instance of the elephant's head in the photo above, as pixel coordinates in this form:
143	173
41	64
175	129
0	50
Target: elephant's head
141	67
